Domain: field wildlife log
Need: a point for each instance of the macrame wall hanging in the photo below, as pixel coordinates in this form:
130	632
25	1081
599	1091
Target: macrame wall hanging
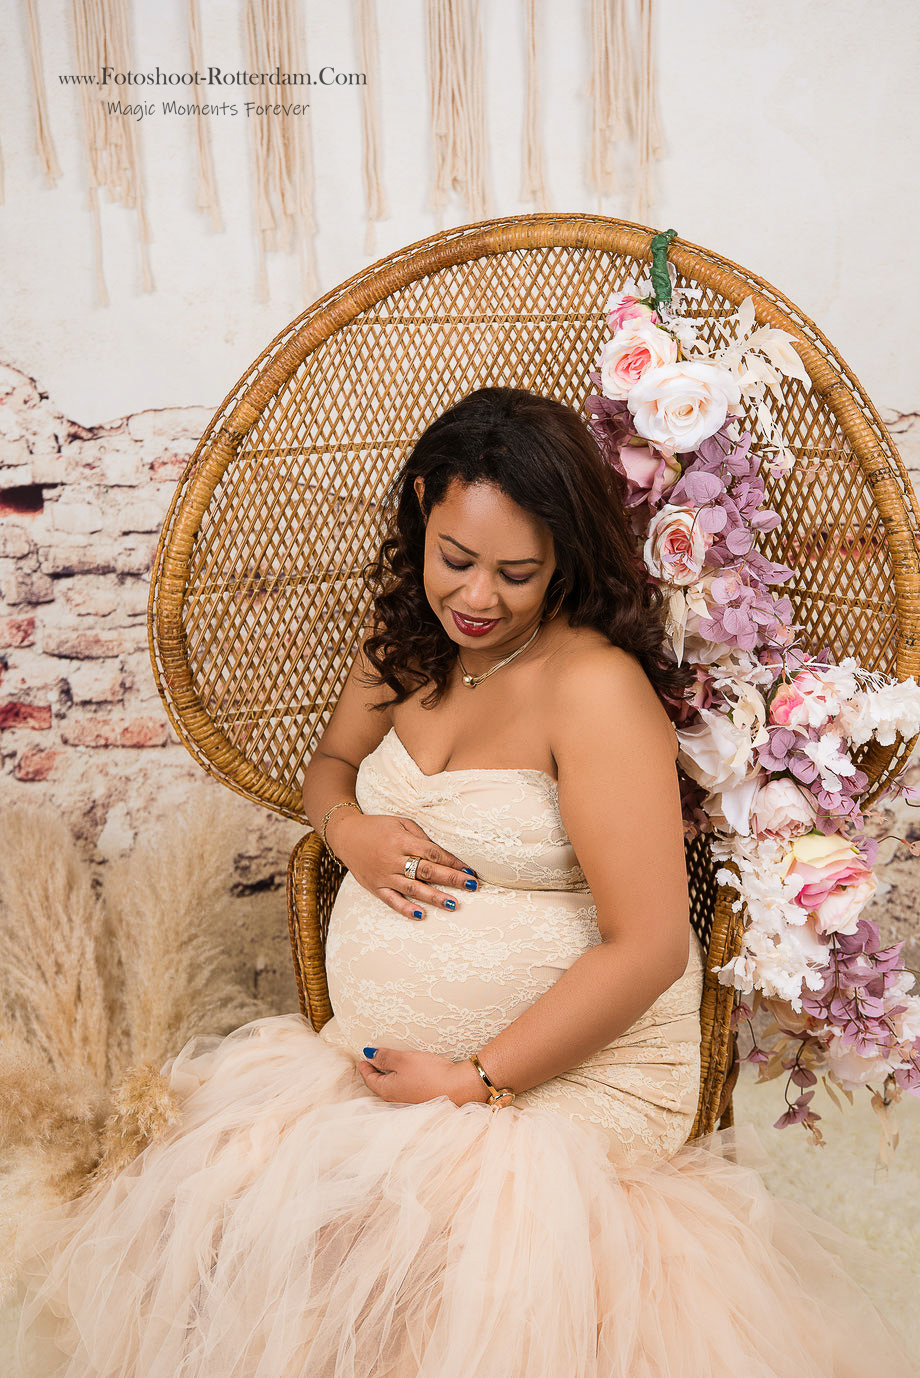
207	199
650	144
624	139
456	103
375	200
624	115
282	150
101	40
43	141
533	182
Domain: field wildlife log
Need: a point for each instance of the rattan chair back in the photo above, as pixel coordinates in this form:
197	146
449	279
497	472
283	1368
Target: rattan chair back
257	599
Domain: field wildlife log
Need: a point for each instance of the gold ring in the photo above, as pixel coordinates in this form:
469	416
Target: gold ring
411	866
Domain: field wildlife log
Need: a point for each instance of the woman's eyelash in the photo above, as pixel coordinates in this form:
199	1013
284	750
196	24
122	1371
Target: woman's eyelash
525	580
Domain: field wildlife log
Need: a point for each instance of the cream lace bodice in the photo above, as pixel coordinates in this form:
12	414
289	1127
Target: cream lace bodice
452	981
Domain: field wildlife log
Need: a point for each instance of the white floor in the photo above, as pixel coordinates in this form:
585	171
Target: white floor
839	1180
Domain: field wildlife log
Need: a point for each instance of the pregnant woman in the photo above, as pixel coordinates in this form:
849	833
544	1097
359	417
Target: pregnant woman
479	1168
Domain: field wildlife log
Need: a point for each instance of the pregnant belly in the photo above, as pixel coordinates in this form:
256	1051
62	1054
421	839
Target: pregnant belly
450	981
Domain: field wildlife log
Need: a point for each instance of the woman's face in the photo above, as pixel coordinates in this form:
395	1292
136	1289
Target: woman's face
485	559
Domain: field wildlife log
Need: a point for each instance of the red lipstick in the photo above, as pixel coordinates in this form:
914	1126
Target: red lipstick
472	628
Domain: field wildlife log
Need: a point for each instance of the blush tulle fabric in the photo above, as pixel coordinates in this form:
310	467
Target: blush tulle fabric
293	1225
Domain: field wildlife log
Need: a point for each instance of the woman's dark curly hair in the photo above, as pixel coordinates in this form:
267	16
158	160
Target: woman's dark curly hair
542	455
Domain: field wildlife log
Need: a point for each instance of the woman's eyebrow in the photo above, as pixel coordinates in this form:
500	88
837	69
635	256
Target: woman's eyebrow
528	560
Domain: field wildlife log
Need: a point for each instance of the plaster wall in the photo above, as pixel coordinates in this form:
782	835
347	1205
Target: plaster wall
788	132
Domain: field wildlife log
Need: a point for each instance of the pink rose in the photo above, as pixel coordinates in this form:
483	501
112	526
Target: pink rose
781	810
837	884
633	351
786	704
676	545
622	308
647	472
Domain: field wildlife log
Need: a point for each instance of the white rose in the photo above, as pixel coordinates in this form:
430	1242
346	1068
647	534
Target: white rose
678	405
635	349
716	753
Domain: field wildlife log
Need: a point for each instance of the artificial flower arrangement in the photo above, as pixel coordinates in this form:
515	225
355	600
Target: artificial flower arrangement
768	733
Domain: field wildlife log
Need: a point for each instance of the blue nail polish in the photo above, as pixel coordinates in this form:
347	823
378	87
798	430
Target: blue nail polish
369	1052
417	914
450	904
471	884
469	871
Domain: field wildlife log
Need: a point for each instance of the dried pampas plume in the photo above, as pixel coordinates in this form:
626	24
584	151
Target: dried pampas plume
143	1108
166	906
102	981
51	930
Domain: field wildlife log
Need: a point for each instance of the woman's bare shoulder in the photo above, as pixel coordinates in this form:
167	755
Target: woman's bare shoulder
579	650
595	684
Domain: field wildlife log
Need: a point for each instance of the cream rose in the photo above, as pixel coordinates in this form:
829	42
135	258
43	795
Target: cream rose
851	1069
676	545
678	405
633	351
716	752
781	810
836	882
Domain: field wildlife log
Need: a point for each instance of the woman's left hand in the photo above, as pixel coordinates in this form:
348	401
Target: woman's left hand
411	1077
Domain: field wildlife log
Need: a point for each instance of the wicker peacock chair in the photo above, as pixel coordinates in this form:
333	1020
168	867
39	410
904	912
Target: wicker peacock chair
256	600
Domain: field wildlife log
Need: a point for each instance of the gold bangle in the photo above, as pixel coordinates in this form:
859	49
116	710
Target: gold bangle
343	804
497	1094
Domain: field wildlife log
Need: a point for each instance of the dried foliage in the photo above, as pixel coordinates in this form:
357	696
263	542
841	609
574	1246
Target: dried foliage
143	1108
166	912
102	980
51	931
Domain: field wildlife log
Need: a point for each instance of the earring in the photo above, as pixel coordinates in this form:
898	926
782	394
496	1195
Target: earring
548	617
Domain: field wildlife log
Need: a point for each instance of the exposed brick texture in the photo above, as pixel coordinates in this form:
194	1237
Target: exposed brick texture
144	732
168	468
34	715
20	585
35	763
97	683
17	631
119	731
81	507
85	644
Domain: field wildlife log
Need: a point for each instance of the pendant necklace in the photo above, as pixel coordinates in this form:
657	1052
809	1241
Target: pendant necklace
473	680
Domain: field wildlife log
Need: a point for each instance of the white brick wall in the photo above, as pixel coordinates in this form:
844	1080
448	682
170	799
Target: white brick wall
82	728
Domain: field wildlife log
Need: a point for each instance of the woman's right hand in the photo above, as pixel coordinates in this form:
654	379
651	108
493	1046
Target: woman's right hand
374	848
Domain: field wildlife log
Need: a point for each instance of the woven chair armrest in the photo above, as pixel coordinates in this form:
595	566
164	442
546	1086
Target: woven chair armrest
313	879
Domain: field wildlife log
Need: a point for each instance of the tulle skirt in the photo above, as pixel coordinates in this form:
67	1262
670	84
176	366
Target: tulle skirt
292	1225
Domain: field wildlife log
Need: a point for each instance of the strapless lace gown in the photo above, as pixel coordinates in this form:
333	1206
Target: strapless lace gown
293	1225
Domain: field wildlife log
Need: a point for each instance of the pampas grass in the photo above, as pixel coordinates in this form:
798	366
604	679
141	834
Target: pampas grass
143	1108
166	905
51	928
103	979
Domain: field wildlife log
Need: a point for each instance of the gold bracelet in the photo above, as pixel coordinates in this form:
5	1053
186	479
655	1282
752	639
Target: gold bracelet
496	1094
343	804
